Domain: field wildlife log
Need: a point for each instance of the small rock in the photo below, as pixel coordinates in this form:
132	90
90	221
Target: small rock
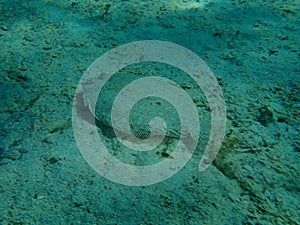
47	47
28	38
3	27
13	154
248	167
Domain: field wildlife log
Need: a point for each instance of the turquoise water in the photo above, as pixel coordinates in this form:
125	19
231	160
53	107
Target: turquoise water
251	47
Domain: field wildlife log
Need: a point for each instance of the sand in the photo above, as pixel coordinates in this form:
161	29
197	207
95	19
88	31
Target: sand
252	47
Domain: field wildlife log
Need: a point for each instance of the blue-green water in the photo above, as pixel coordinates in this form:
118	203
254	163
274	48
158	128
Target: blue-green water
251	47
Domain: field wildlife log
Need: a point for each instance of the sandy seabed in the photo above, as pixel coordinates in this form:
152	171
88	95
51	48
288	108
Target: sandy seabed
252	47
